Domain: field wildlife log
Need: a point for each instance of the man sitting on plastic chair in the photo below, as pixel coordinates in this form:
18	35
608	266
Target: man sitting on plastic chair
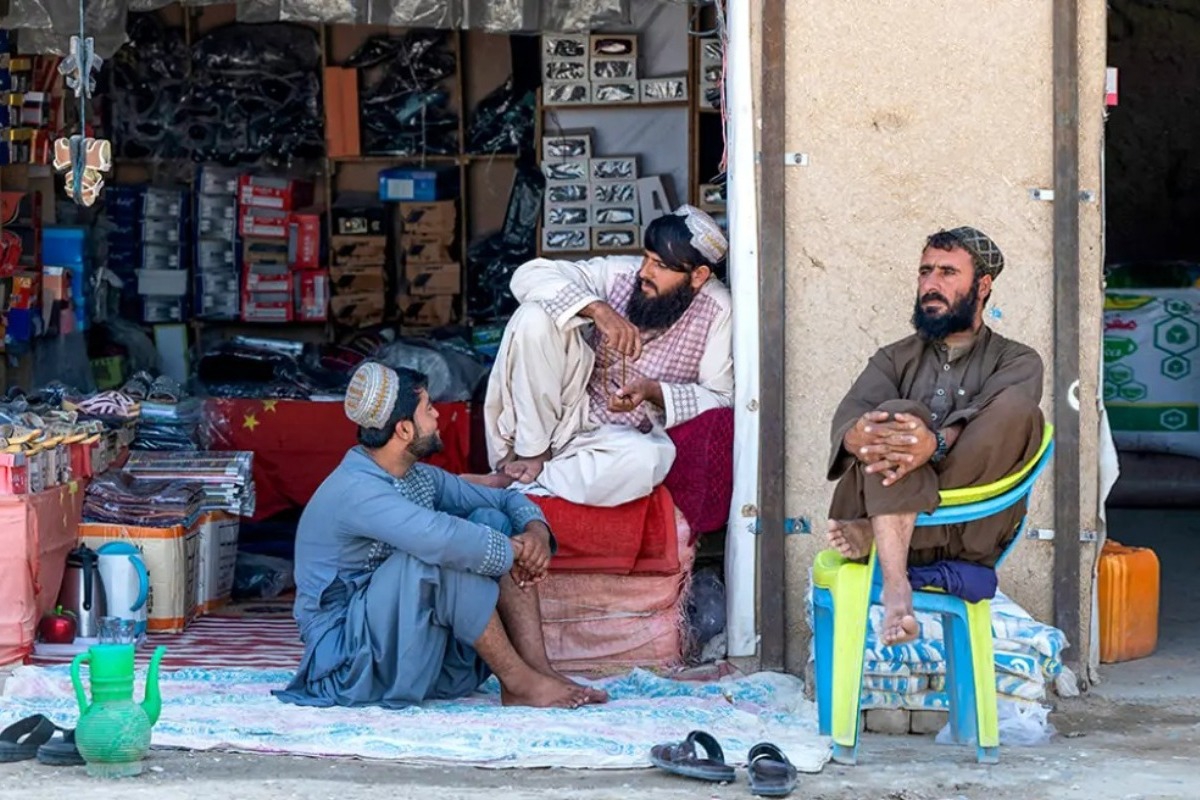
953	405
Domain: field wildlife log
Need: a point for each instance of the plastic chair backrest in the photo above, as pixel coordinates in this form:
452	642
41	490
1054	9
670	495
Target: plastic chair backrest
976	494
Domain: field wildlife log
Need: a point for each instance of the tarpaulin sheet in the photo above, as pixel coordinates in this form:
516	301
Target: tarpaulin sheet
297	443
36	533
47	25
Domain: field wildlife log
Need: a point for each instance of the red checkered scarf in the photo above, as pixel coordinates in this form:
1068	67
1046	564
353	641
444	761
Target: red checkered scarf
672	356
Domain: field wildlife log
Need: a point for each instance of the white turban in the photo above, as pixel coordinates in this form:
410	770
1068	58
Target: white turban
707	237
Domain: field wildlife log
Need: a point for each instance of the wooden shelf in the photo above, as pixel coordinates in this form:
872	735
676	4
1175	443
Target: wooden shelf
396	159
614	106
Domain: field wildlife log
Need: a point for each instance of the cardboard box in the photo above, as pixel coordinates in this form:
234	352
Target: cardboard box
358	280
428	218
613	168
162	282
623	69
263	223
358	214
419	249
170	558
255	310
565	240
352	251
216	560
221	228
26	292
214	255
564	45
357	310
566	94
166	203
564	193
162	231
663	90
281	194
613	45
14	473
425	312
609	193
266	251
620	237
304	241
216	207
312	295
267	282
564	70
568	216
425	280
567	144
616	215
342	134
216	180
407	185
712	197
569	170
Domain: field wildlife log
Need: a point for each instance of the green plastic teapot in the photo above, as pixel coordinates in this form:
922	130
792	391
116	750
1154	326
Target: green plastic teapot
113	733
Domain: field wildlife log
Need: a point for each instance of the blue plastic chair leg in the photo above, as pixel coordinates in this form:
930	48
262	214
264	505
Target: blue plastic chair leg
823	656
960	679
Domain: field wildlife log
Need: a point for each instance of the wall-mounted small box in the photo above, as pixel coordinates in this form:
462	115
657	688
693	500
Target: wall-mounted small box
561	193
614	69
613	45
564	71
609	193
663	90
567	144
564	45
616	215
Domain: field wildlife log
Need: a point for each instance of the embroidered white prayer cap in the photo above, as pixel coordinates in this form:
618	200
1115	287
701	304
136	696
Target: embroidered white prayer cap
371	395
707	237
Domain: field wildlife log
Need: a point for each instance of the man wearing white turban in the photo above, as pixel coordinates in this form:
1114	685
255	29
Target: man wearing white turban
412	584
602	357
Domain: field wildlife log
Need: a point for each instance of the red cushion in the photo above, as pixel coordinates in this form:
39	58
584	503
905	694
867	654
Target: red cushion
701	479
635	538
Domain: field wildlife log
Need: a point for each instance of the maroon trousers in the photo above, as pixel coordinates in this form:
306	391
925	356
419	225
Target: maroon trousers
997	442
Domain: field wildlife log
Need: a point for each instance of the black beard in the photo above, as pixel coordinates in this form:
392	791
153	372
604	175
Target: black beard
661	312
958	318
425	446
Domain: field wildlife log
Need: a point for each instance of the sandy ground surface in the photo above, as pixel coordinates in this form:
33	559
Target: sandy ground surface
1106	749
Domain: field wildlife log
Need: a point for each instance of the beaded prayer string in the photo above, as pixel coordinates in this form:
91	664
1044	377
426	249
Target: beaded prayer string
604	374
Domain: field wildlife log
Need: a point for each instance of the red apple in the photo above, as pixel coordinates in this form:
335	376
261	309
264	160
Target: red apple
58	627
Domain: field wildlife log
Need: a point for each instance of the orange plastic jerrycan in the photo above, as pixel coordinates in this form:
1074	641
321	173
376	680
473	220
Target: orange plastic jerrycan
1128	589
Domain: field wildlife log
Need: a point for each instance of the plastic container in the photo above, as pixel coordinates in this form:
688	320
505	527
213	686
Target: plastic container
1129	586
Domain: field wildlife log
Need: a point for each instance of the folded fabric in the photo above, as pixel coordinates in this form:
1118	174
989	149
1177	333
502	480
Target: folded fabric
970	582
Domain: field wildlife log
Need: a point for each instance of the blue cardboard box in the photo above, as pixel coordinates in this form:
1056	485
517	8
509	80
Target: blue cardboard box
408	185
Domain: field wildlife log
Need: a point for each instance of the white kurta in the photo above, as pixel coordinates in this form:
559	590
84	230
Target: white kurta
538	395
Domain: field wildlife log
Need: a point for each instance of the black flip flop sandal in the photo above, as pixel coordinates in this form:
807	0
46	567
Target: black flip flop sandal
680	758
21	740
771	773
60	750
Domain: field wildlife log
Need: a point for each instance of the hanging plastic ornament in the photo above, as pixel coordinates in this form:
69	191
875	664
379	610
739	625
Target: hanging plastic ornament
84	160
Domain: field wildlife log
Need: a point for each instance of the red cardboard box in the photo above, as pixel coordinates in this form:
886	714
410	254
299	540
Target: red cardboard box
263	223
281	194
26	290
14	473
257	282
256	311
304	241
312	295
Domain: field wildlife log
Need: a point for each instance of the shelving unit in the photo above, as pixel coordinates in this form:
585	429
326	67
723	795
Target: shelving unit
483	61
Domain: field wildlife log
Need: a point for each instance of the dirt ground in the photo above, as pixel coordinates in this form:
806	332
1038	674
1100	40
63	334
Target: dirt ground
1104	749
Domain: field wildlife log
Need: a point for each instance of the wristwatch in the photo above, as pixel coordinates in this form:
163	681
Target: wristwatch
941	450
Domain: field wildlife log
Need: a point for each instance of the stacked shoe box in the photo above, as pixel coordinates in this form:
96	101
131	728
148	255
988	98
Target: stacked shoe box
217	276
591	201
358	259
613	69
278	237
712	73
565	70
162	279
426	236
122	223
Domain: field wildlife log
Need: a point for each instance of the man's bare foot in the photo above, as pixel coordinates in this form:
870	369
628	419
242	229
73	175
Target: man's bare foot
526	470
542	691
495	480
899	623
851	538
594	695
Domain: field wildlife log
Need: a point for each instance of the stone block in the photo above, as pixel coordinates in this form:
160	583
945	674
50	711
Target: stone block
928	722
892	721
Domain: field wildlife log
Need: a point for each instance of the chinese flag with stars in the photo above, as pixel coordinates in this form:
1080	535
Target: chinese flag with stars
297	443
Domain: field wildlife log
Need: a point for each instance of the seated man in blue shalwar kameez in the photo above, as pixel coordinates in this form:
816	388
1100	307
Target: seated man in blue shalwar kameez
412	584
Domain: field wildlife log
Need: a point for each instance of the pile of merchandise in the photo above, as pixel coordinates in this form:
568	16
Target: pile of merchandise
122	499
403	99
170	420
223	479
493	260
1028	656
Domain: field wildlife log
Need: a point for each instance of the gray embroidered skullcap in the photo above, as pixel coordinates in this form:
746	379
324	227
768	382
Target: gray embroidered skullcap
981	247
371	395
707	237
